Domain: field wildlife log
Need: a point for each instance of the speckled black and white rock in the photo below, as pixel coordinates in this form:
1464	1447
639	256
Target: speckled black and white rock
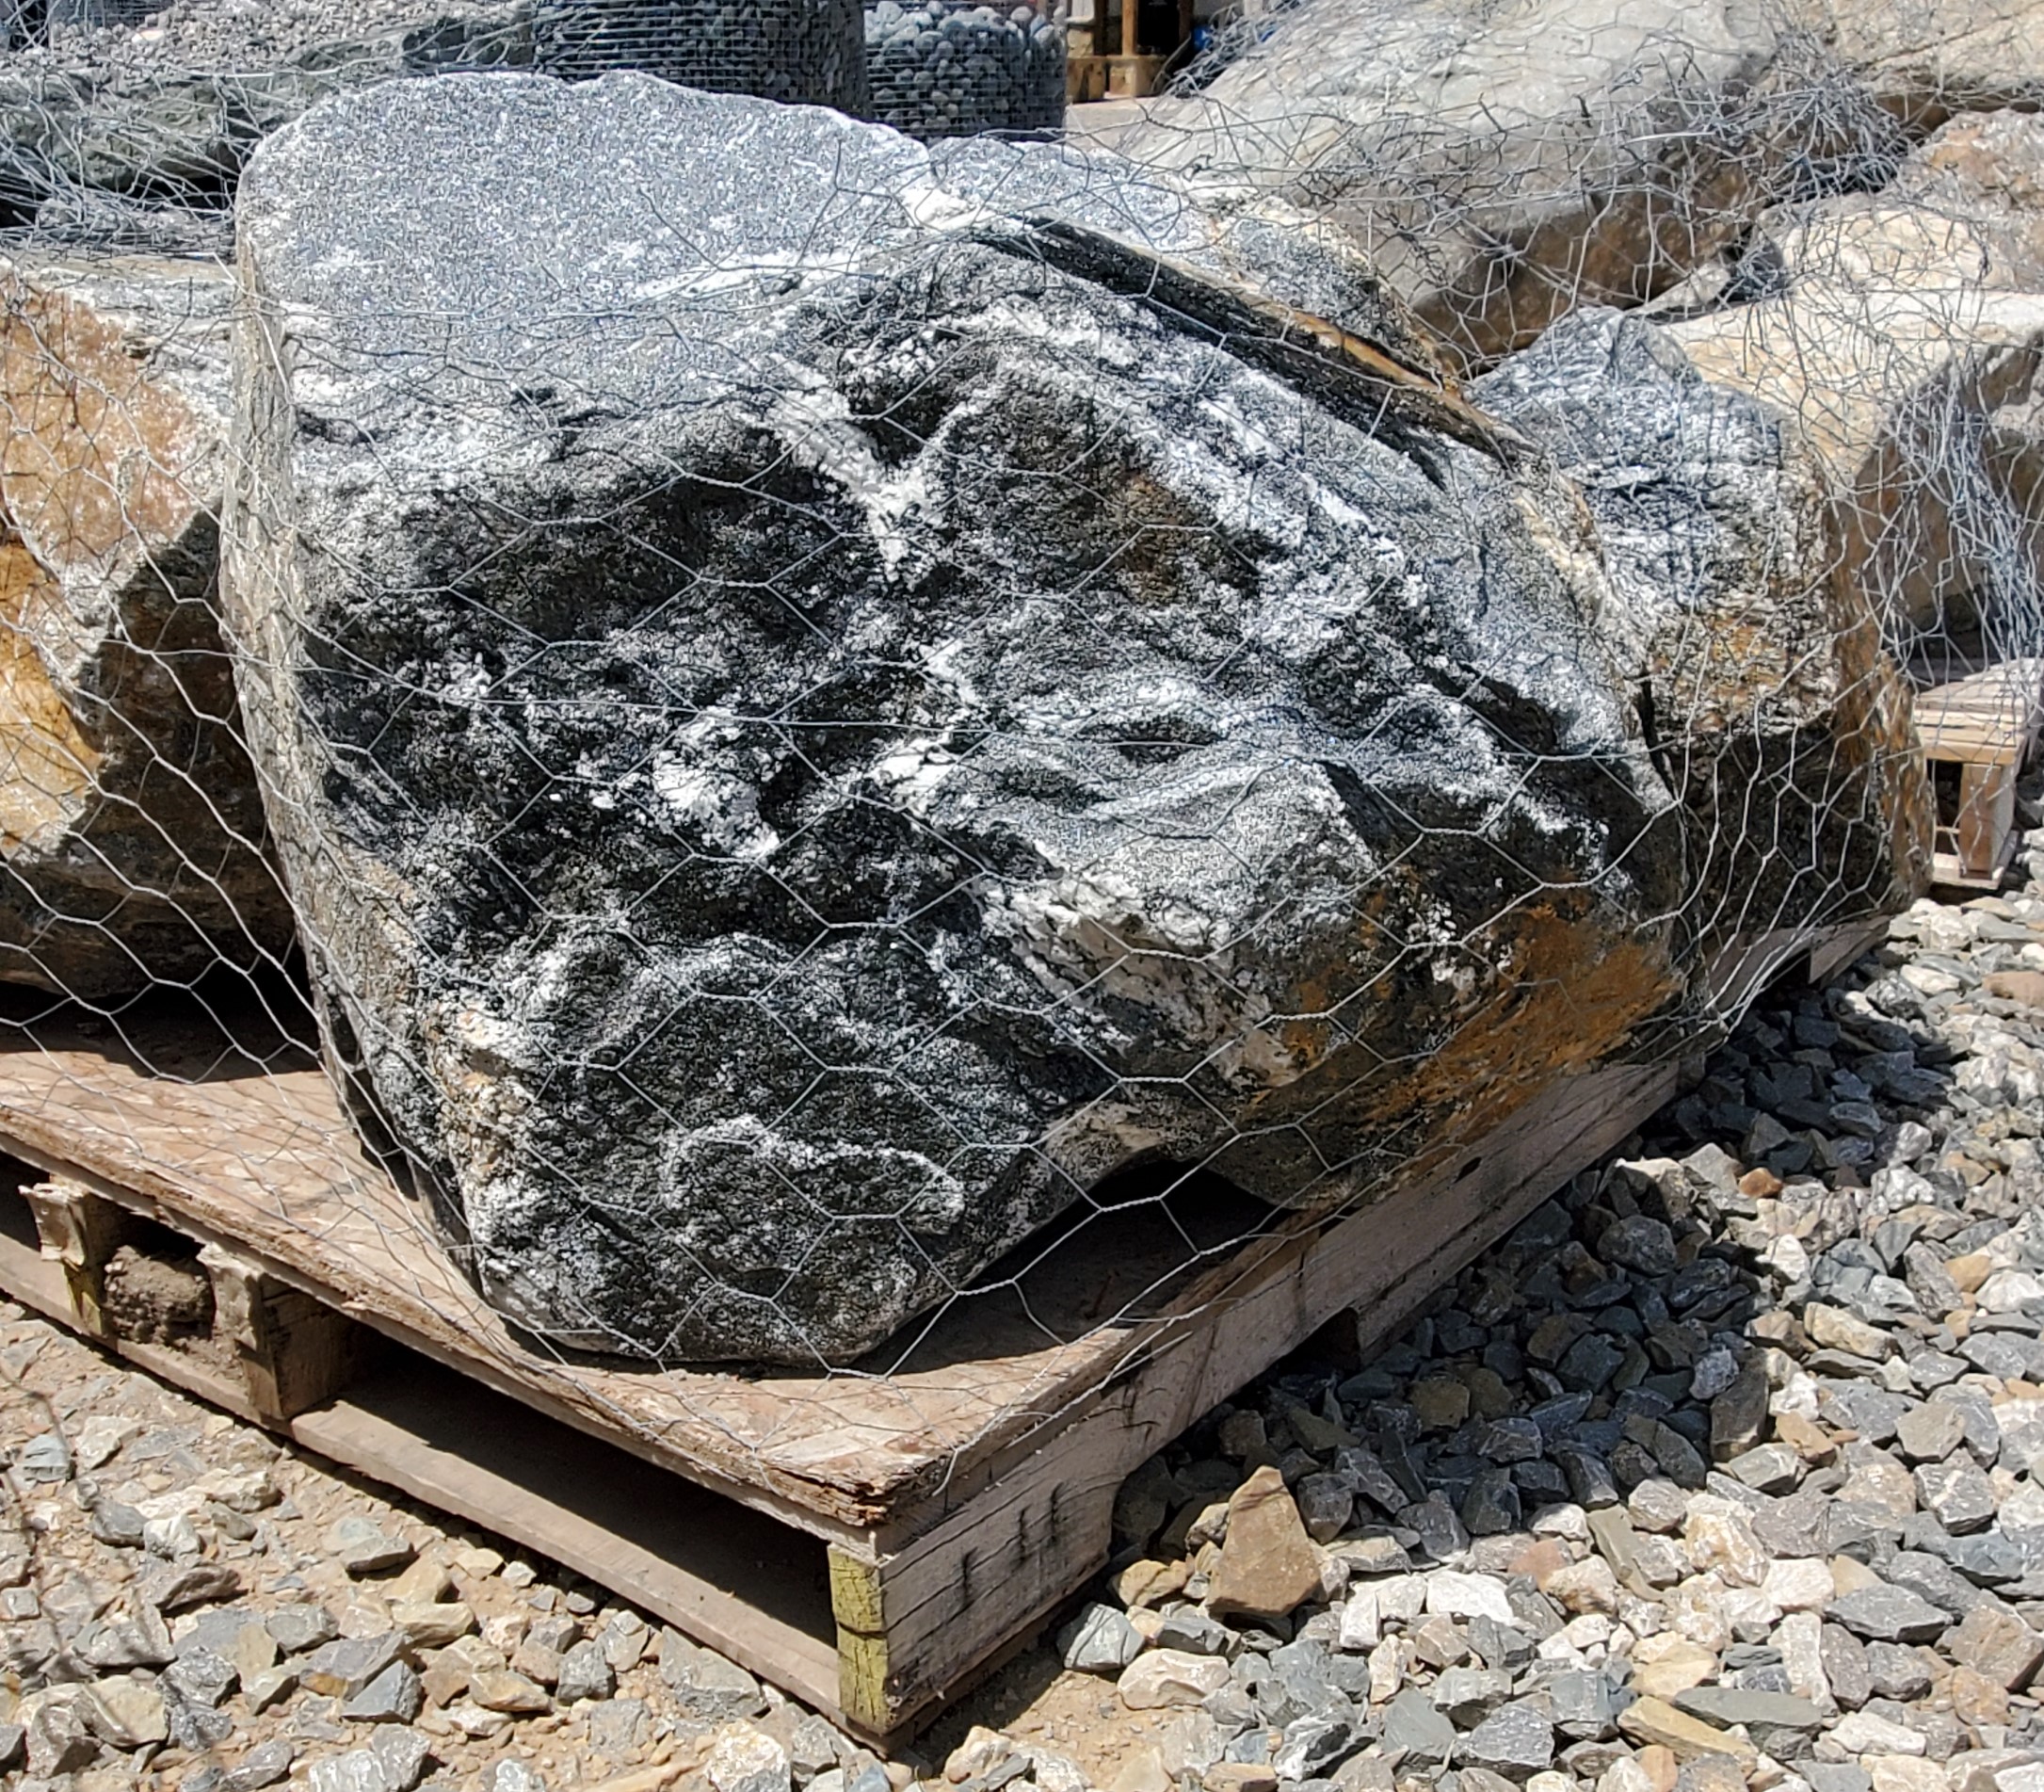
897	733
136	42
1777	712
954	68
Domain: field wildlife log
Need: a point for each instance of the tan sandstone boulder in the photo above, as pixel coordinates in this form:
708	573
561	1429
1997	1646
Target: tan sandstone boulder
1905	330
1505	163
131	831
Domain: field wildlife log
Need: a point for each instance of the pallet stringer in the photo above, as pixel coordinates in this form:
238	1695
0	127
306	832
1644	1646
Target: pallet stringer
79	1230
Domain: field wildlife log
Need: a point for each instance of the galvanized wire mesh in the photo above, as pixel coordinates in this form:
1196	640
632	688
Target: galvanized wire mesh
819	720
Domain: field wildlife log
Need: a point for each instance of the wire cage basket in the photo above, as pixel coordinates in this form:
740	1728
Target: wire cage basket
802	52
101	12
959	67
30	22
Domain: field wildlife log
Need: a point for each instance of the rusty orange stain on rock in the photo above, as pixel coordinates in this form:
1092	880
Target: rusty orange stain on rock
1553	1012
1544	1009
47	767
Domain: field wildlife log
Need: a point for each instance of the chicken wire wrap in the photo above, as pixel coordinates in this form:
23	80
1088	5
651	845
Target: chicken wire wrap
958	67
837	731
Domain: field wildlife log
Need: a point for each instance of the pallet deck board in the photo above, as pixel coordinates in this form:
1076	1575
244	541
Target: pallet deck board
1980	714
680	1552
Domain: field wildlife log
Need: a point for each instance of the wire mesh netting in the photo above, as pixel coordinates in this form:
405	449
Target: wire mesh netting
872	756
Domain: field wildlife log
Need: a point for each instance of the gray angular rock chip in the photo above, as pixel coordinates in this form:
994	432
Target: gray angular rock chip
1887	1614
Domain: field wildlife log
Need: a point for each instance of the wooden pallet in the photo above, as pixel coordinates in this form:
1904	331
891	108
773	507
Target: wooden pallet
1091	78
868	1542
1984	718
1092	73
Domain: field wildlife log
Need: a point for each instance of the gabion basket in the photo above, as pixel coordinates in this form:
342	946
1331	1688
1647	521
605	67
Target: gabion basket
97	12
803	52
24	22
956	68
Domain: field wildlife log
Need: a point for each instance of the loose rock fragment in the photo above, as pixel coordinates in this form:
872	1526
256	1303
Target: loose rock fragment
1890	1614
1998	1644
1654	1723
1166	1677
1269	1565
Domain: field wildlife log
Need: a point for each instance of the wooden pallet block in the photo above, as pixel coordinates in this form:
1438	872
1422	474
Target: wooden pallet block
1091	78
1985	718
1096	74
869	1542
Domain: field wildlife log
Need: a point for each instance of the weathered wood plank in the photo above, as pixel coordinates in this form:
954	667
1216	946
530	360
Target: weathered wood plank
30	1273
293	1352
79	1231
1844	946
1985	716
26	1274
1986	817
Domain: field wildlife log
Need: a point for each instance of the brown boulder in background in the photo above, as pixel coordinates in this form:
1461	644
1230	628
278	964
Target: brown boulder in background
131	830
1905	330
1504	165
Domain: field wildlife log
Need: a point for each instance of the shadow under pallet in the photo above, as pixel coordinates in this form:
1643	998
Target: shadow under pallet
869	1542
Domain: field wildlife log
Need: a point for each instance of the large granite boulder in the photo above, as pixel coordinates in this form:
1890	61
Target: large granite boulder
131	831
821	699
1775	708
1504	164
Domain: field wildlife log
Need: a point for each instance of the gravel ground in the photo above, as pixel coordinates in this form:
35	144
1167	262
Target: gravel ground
1717	1473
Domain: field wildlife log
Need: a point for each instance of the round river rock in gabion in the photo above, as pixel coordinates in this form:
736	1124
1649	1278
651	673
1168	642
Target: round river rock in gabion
951	68
801	52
